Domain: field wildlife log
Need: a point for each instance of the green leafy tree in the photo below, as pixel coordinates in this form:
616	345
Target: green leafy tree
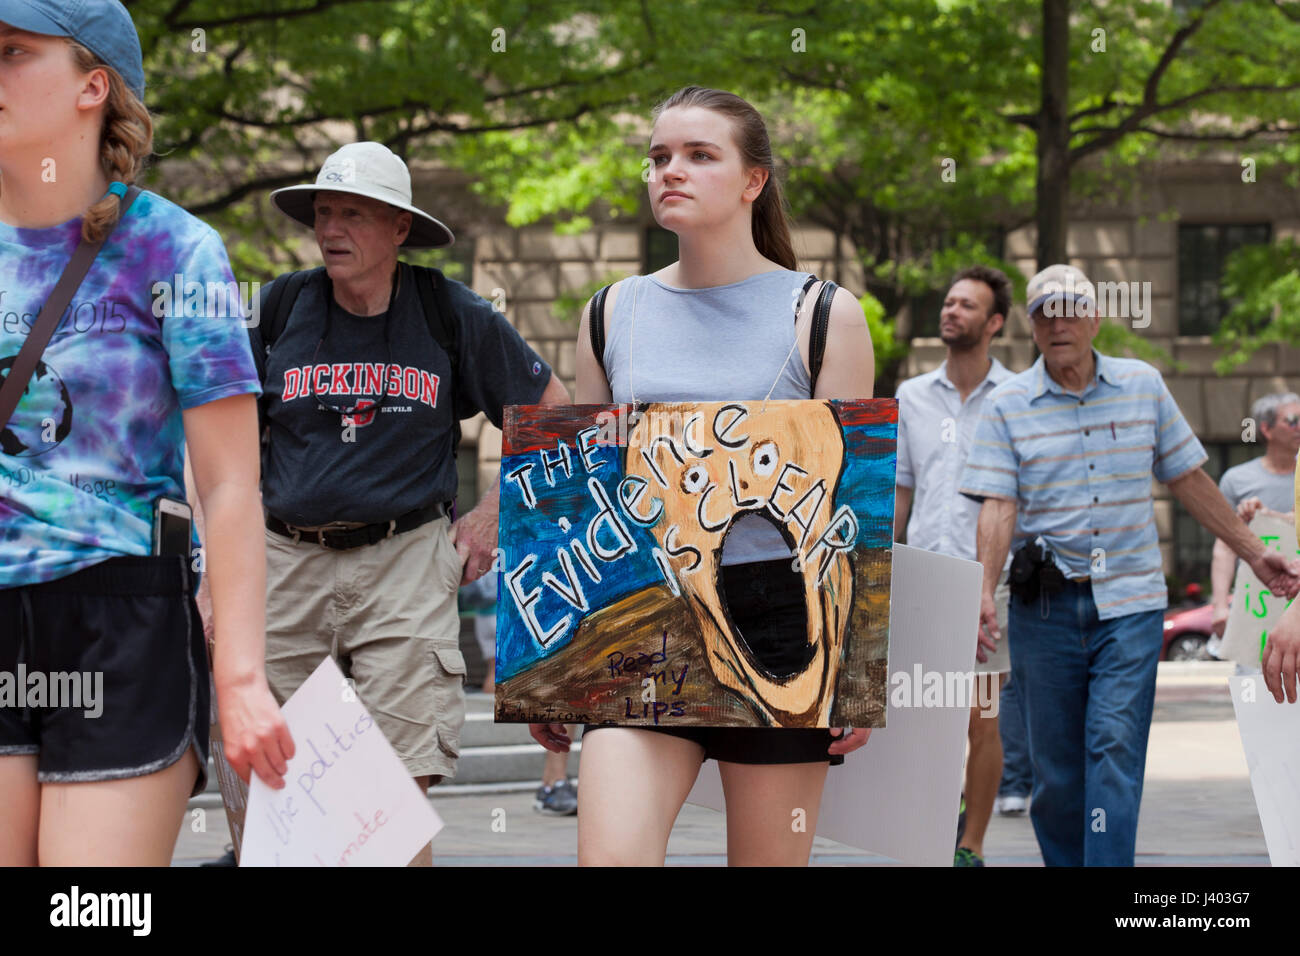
1263	284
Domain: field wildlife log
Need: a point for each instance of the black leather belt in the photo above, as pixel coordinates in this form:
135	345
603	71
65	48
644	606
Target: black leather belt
344	539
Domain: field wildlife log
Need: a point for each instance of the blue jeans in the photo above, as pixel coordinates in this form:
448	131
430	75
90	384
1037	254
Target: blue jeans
1089	688
1017	772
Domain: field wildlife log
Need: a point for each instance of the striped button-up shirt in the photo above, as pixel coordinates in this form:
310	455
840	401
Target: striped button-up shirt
1080	467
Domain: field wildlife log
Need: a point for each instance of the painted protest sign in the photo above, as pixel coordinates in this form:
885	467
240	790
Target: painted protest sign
1270	736
1255	610
621	598
348	800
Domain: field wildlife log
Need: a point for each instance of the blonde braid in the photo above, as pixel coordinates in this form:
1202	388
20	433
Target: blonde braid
124	145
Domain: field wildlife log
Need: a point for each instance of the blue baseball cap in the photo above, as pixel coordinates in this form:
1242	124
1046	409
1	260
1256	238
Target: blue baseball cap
101	26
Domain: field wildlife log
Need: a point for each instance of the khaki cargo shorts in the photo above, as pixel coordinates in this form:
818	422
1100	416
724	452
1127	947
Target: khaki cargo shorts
387	613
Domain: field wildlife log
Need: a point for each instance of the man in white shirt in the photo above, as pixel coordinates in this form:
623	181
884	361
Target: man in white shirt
937	416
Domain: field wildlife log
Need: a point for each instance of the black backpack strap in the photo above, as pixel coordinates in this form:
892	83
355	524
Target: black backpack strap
435	302
596	326
820	330
281	294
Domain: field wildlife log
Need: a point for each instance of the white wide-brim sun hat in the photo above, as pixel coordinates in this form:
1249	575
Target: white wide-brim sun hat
371	170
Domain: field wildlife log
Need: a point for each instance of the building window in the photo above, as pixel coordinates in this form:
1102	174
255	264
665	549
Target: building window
1193	545
1202	251
660	248
924	310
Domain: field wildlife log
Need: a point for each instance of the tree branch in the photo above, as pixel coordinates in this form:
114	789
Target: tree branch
263	15
1245	134
260	184
1292	15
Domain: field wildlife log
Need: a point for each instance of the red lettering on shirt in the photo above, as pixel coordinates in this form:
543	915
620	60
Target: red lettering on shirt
340	376
292	382
428	388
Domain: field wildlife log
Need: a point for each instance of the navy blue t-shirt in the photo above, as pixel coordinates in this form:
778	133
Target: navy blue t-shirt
392	457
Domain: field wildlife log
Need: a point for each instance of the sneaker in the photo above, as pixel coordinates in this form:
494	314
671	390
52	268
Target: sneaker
226	859
557	800
1011	805
966	857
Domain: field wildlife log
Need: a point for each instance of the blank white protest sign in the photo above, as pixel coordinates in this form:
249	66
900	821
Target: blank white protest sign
347	800
900	793
1270	735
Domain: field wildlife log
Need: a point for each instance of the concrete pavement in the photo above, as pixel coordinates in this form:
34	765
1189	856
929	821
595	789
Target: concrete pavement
1197	806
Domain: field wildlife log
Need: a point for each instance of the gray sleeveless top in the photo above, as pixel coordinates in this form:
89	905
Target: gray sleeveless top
723	343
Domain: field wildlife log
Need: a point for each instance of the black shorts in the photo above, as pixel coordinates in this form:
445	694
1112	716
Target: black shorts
766	602
114	674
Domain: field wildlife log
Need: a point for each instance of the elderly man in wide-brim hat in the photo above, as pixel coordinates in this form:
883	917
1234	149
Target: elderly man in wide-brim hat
367	364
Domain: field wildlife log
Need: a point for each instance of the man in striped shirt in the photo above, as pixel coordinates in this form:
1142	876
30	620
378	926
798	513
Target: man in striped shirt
1073	443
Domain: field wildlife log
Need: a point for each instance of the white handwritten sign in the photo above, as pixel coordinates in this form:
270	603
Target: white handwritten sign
1270	735
347	800
1255	610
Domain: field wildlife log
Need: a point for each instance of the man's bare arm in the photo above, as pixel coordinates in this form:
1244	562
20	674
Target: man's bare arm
902	509
1222	563
1202	497
993	533
475	533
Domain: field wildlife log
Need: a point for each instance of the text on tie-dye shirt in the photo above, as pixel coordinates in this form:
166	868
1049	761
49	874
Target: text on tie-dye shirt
97	436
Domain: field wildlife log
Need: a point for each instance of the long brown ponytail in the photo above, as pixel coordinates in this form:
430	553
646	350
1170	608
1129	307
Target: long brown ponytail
124	144
771	218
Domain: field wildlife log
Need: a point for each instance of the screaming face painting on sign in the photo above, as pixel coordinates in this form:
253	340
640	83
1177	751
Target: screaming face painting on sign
616	524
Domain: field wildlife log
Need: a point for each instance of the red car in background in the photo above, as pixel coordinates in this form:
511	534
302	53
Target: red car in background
1188	629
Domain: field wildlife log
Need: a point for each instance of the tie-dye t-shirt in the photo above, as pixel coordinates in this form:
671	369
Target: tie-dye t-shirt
97	436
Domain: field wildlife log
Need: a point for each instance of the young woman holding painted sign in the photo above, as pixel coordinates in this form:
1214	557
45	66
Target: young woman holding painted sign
717	325
89	602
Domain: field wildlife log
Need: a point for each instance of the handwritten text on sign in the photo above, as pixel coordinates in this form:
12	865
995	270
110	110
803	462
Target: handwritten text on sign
348	800
1255	610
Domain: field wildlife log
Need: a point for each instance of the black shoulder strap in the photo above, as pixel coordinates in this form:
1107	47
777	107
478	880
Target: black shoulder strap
281	294
820	330
821	321
47	320
596	326
435	302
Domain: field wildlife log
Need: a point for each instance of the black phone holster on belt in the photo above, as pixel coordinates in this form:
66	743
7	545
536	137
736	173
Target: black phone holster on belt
1034	571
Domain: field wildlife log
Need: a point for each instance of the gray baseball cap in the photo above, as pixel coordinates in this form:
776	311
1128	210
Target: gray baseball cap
101	26
1063	283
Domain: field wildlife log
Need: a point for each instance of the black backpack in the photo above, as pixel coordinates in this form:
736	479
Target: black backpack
816	341
435	303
